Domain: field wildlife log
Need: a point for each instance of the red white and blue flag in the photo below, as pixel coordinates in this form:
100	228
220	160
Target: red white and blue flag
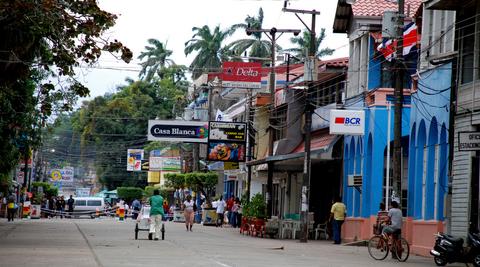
410	38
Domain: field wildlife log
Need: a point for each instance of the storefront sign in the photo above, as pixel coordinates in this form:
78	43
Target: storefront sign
227	131
134	159
242	75
349	122
468	141
226	151
165	164
64	175
178	131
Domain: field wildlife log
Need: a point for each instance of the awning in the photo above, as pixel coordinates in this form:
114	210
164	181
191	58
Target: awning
321	148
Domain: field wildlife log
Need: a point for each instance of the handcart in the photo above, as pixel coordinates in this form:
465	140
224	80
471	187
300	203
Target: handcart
143	223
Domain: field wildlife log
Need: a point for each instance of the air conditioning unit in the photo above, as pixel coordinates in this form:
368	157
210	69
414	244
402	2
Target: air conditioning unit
355	180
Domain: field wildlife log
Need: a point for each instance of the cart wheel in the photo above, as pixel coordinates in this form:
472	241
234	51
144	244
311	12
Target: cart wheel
163	231
150	236
136	231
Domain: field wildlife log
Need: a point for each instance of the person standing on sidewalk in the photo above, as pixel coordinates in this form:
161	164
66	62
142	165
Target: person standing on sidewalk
137	206
337	216
70	203
188	212
156	213
11	207
220	211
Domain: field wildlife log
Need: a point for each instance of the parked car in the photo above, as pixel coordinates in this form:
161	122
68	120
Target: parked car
88	206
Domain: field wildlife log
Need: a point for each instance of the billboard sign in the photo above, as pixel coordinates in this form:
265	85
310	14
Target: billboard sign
348	122
82	192
226	151
64	175
242	75
227	131
165	164
178	131
134	159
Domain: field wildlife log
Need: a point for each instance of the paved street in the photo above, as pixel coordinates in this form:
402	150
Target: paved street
106	242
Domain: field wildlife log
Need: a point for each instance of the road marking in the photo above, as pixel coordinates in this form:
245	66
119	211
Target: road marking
221	264
95	257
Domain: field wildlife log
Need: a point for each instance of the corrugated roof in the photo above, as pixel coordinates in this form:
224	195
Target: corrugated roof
376	8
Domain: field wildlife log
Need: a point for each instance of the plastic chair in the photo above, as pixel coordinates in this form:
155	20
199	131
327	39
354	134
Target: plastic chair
287	226
321	228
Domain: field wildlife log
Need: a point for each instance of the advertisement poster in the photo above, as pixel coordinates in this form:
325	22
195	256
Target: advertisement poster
134	159
165	164
226	151
64	175
178	131
227	131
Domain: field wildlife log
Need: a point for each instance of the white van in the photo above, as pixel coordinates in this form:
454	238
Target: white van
84	205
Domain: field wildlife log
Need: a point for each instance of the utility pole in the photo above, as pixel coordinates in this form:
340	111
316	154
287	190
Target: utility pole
397	127
249	143
273	38
307	163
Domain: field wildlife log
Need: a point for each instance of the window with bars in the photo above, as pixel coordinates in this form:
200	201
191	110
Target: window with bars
466	46
279	123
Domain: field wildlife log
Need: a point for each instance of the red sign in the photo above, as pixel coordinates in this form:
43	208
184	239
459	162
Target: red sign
242	74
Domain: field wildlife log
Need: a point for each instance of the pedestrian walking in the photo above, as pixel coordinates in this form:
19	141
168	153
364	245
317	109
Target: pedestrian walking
337	215
11	205
156	213
61	206
189	212
234	217
70	203
51	207
136	206
220	211
230	203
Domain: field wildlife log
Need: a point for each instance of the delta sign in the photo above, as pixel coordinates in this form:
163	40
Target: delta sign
349	122
246	75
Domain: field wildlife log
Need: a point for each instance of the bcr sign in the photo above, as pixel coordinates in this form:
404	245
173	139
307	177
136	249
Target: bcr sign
349	122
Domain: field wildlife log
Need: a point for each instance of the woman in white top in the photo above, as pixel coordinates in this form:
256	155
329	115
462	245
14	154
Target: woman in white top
188	210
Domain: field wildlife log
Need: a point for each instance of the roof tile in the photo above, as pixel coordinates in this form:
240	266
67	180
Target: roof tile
377	7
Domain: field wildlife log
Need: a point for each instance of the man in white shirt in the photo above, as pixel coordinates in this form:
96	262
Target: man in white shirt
220	211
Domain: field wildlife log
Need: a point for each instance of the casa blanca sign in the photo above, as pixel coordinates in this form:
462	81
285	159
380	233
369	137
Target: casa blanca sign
178	131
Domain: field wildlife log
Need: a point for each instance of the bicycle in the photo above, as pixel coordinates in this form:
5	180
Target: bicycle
380	245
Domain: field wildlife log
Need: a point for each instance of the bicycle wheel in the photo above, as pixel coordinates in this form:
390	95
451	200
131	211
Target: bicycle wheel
378	247
402	250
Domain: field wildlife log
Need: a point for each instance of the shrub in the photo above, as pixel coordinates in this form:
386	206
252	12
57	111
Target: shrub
256	207
129	193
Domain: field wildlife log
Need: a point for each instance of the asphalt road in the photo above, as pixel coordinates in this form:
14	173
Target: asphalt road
108	242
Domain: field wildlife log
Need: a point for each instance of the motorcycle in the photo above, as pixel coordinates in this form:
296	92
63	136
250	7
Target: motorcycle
450	249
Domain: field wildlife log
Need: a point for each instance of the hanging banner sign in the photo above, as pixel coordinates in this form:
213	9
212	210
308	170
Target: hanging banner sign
468	141
64	175
178	131
134	159
242	75
226	151
348	122
227	131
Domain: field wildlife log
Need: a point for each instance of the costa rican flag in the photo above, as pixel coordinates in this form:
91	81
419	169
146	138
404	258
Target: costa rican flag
388	47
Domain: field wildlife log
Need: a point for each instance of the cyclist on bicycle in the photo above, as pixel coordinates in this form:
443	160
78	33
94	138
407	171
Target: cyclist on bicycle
395	220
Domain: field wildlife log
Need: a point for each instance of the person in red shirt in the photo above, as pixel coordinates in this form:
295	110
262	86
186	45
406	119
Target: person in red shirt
230	203
165	209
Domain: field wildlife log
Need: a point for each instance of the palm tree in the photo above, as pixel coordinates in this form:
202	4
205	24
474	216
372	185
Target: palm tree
157	56
303	45
208	44
258	47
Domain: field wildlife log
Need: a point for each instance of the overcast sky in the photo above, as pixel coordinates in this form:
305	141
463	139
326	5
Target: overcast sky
172	21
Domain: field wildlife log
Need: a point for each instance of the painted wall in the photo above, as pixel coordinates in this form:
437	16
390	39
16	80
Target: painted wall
428	163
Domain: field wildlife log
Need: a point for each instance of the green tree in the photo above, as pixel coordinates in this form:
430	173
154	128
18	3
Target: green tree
156	57
303	45
41	38
210	52
111	124
257	46
129	193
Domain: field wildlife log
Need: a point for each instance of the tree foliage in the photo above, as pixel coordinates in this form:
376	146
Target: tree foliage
40	39
129	193
210	50
156	57
303	45
256	46
111	124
